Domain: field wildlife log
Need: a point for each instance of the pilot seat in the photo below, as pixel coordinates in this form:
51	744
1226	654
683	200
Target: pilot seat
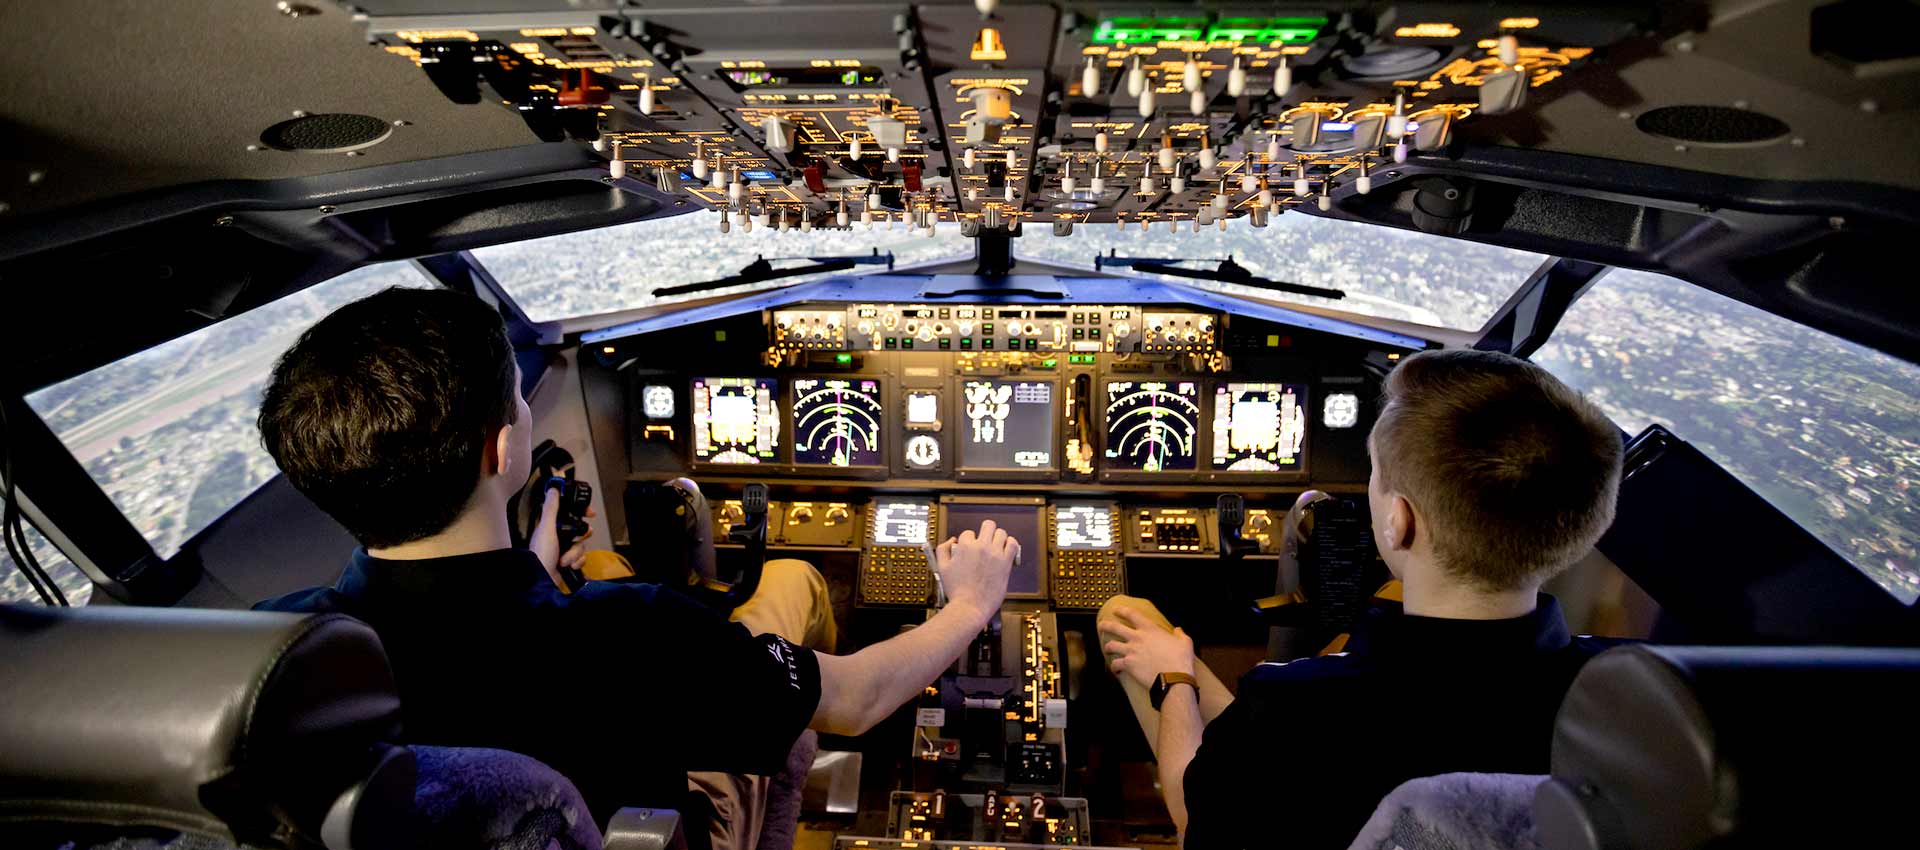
180	728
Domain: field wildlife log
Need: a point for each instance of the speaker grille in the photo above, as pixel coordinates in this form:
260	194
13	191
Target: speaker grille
1712	125
330	132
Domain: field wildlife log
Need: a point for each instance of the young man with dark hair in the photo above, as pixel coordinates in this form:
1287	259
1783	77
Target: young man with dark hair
400	415
1489	477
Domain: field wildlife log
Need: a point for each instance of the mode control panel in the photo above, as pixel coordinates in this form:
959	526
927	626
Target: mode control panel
1048	329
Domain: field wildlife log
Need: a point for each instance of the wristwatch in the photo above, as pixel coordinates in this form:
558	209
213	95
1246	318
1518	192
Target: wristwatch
1165	682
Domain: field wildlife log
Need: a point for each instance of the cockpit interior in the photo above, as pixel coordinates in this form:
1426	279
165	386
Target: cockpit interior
1125	279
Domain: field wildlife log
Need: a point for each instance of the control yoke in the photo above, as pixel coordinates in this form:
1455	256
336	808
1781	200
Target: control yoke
1231	513
751	533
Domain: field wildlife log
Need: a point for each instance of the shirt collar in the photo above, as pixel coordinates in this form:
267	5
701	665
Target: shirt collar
475	574
1393	633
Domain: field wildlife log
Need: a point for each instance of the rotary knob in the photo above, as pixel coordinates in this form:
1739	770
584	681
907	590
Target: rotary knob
732	514
800	515
966	328
1122	329
926	333
836	514
865	327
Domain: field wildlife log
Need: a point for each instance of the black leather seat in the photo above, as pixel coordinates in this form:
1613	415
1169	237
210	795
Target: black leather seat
174	728
1681	747
270	730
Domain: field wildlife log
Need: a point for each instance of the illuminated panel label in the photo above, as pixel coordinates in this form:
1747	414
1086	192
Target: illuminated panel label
899	523
1152	425
836	422
1118	30
1082	527
1258	427
1009	425
734	420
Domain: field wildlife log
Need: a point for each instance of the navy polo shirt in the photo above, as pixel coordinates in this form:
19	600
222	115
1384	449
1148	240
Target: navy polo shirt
624	688
1308	748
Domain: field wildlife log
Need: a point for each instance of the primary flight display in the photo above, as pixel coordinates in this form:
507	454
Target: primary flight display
735	420
1258	427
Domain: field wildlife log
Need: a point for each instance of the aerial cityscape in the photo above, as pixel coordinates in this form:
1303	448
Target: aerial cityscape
1827	431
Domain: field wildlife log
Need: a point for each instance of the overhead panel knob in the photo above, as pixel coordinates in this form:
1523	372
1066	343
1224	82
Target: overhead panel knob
1503	91
779	133
1089	79
1236	79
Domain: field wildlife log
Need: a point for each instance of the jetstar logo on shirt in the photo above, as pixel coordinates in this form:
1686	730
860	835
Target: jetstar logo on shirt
782	653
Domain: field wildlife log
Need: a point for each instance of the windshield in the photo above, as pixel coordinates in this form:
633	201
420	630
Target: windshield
617	268
1386	272
1826	430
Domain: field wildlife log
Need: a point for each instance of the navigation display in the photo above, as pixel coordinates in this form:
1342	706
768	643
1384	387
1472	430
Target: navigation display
900	523
1152	425
1009	425
1022	523
836	422
1082	527
1259	427
734	420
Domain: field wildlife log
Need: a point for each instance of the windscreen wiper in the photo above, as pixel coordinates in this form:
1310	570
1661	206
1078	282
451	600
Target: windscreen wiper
1227	272
762	270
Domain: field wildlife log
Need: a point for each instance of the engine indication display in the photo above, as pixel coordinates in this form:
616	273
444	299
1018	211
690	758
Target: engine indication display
1009	425
1259	427
1082	527
1152	425
836	422
734	420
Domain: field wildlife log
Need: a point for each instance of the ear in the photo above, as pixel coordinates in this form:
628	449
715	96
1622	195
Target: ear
499	460
1402	523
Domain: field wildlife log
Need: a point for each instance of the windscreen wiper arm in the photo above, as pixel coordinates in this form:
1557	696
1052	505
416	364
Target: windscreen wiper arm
762	270
1227	272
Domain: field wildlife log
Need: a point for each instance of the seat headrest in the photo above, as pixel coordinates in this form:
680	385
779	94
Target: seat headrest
241	724
1678	747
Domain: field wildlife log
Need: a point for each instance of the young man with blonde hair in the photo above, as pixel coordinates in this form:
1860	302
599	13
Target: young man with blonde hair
1489	477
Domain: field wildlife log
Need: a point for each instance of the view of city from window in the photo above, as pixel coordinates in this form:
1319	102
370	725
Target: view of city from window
1827	431
1385	272
617	268
169	433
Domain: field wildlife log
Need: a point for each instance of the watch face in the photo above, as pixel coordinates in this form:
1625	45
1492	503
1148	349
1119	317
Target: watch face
1342	411
657	402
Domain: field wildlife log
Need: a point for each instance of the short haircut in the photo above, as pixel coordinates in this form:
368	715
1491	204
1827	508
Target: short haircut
1515	474
381	411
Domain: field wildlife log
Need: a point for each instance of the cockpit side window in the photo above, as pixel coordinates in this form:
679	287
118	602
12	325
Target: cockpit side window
1826	430
14	587
169	433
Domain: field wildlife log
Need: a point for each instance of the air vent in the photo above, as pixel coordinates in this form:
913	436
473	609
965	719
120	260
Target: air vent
1712	125
329	132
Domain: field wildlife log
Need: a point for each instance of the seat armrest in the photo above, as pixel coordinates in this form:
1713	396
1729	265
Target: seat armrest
644	829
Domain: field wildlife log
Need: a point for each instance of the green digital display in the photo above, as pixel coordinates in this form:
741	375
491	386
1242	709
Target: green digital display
1258	30
1266	30
1117	30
